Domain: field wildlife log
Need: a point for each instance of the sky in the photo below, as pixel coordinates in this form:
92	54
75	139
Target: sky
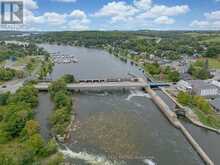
76	15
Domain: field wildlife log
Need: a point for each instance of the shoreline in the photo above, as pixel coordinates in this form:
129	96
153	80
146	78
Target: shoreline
189	117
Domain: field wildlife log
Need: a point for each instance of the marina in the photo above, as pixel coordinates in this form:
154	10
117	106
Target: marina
63	59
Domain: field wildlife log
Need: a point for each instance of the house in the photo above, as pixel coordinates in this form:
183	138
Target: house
184	86
216	104
216	74
204	88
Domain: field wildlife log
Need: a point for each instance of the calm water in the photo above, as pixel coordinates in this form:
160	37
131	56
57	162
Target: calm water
209	141
43	111
92	64
119	127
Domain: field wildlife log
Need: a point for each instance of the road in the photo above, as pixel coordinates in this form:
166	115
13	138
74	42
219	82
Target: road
13	85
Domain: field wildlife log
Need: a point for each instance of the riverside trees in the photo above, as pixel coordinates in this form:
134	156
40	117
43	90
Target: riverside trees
20	141
61	117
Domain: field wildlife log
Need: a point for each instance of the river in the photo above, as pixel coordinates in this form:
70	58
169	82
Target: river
120	127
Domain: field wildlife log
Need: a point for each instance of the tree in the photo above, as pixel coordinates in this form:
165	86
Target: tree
199	70
174	76
27	94
60	120
16	122
4	98
6	159
213	51
62	100
153	69
31	127
51	147
68	78
184	98
56	86
36	144
6	74
56	160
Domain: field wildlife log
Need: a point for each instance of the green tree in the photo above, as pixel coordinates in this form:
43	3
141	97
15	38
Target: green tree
68	78
57	86
4	98
184	98
7	159
62	100
36	144
31	127
56	160
173	76
27	94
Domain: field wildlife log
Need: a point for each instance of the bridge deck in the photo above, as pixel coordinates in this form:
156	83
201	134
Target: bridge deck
97	85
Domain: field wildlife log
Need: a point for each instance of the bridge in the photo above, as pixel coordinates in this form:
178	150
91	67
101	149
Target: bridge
157	85
107	84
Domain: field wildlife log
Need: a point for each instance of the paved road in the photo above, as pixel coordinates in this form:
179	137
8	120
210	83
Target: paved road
14	85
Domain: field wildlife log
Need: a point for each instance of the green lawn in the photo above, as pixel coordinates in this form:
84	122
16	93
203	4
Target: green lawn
215	39
213	63
211	120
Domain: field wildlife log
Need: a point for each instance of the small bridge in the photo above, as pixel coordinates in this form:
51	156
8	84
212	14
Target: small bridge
157	85
107	84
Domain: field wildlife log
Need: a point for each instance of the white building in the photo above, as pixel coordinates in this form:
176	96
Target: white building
184	86
204	88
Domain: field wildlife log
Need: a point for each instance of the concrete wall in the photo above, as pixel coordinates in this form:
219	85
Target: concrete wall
171	116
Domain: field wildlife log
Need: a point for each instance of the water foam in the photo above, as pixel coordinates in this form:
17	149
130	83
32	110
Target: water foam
149	162
137	93
88	158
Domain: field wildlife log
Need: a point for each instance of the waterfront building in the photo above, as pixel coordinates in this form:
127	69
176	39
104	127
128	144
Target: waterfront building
204	88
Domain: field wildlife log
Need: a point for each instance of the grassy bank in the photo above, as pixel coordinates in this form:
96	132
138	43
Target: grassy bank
201	108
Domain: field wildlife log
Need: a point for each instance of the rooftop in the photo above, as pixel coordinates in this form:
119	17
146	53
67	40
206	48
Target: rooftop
201	84
216	103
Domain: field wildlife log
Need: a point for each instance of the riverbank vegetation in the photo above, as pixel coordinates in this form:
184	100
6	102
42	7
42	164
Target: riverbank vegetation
20	140
201	108
162	73
144	47
14	51
20	59
46	68
168	44
7	74
61	117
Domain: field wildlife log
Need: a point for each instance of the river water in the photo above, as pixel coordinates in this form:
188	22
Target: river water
120	127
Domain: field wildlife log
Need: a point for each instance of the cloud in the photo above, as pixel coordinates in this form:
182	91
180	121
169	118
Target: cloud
143	4
162	10
79	15
211	21
75	20
139	13
164	20
118	11
215	15
200	24
205	25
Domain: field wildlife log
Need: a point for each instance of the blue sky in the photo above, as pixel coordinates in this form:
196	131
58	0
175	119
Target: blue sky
53	15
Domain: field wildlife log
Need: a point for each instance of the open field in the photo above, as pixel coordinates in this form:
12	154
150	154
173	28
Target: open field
215	39
213	63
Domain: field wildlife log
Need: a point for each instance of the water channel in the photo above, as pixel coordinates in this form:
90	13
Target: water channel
120	127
